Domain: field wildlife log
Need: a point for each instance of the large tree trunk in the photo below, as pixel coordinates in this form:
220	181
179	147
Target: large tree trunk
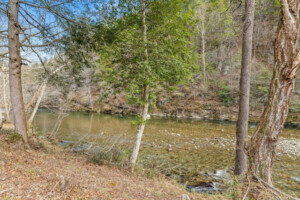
243	116
287	58
15	63
146	92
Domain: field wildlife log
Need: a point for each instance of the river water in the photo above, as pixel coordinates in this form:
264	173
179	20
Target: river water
190	151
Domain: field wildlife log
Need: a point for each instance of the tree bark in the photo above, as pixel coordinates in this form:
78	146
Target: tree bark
287	58
243	116
146	92
15	81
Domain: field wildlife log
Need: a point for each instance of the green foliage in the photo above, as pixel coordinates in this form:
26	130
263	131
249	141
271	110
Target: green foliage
215	20
224	92
262	87
263	90
171	57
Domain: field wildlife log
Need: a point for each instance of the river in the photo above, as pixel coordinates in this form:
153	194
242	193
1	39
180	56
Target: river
190	151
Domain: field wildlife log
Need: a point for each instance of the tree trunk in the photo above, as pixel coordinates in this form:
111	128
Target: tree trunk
15	63
5	99
141	127
146	92
44	85
41	88
203	49
35	95
243	116
287	58
1	117
90	96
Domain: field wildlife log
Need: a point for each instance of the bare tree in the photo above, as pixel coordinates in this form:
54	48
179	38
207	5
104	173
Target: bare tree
243	116
41	91
287	59
201	28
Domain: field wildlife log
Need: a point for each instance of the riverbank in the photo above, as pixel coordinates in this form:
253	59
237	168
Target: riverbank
176	107
47	171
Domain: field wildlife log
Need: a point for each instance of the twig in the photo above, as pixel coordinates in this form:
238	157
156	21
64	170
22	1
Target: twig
247	188
275	195
275	189
3	191
115	142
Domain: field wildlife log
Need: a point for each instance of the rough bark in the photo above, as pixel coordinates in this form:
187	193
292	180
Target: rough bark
144	113
243	116
287	58
15	65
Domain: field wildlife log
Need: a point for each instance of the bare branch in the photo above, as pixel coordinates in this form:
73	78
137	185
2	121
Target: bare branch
4	54
42	45
43	7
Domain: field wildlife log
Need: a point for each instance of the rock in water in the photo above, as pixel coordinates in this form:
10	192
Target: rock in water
185	197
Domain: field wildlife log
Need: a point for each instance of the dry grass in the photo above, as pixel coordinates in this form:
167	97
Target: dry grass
52	173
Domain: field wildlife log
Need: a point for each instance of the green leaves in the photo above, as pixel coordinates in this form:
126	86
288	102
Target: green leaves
170	52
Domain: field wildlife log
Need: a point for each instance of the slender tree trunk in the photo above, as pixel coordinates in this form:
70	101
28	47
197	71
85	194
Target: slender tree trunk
243	116
44	85
141	127
5	99
144	113
1	117
90	96
287	58
15	65
41	88
35	95
203	49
